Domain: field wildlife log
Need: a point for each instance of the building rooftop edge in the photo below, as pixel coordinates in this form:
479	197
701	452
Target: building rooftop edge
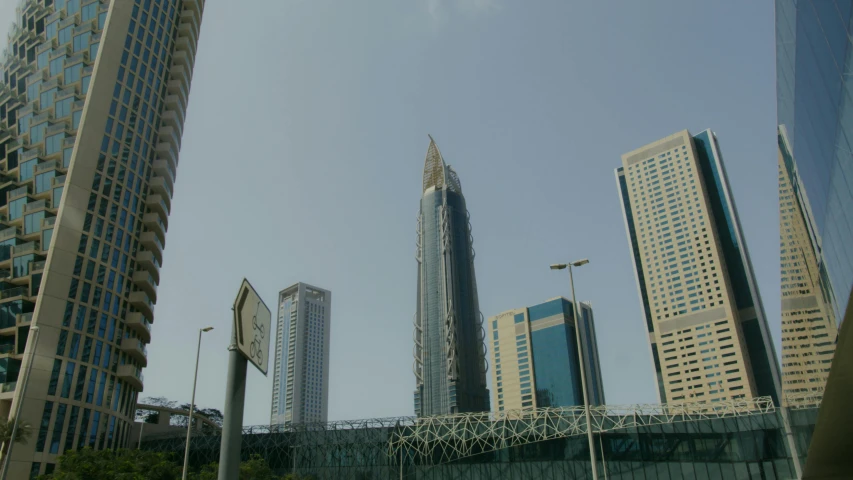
296	286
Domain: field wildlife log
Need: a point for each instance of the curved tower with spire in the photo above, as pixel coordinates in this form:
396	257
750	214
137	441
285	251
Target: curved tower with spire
450	361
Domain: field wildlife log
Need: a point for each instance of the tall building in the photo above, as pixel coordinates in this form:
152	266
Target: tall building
706	324
535	356
815	108
93	98
450	364
809	329
301	372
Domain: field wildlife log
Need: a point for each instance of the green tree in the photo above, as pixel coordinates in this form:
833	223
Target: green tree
256	468
109	464
87	464
25	431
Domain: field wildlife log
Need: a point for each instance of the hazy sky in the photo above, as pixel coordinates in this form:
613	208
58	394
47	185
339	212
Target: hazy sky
304	146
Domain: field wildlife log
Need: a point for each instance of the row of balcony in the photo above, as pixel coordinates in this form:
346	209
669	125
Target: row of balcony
159	199
132	375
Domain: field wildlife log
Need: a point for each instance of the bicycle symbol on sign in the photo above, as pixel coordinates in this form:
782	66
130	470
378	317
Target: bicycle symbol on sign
255	347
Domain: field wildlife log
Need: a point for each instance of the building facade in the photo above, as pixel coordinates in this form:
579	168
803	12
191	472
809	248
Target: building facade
809	329
707	330
815	107
301	371
535	357
815	119
450	364
93	97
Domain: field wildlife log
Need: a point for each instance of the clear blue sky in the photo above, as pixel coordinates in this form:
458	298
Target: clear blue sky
304	145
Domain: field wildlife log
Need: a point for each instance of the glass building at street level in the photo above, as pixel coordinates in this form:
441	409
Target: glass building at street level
450	357
301	380
535	357
92	103
814	55
749	445
706	324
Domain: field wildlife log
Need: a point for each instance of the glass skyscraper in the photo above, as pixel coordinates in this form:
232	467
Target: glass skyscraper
535	357
707	330
93	97
450	365
814	56
815	107
301	380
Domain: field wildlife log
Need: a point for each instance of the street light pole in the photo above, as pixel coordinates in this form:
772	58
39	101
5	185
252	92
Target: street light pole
192	404
7	459
581	363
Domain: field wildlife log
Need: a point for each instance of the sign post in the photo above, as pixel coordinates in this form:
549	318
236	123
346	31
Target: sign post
250	342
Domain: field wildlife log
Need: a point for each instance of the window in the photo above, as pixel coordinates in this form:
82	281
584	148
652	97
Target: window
81	42
73	73
54	377
42	59
45	424
24	124
50	30
93	433
56	65
32	222
72	424
65	35
89	11
46	98
86	80
57	195
54	143
66	384
63	107
16	207
21	266
33	90
37	133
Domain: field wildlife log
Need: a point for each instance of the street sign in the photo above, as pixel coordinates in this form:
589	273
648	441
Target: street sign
252	321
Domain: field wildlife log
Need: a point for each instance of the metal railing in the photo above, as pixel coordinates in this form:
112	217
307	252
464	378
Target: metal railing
24	247
49	165
8	233
14	292
39	205
18	192
466	434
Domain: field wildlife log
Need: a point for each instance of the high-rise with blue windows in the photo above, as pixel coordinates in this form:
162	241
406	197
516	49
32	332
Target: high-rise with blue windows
535	357
93	96
814	57
450	363
706	325
300	392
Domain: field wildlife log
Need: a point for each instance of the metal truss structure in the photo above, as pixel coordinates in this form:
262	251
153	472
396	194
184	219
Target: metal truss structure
447	438
544	442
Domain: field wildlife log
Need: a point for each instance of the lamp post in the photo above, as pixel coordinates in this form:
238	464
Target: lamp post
32	349
581	363
192	404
